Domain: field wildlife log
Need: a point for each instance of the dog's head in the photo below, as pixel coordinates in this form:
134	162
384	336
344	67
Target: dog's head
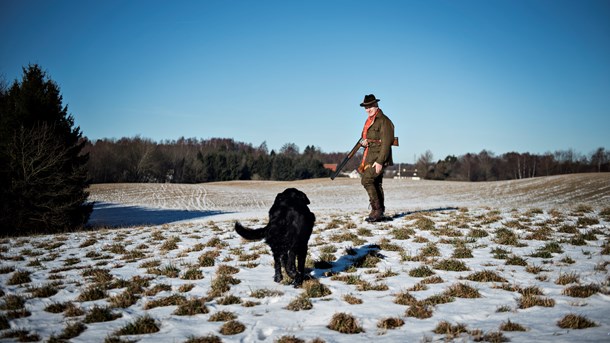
292	195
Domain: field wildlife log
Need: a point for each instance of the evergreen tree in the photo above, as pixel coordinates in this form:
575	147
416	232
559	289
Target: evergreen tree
43	177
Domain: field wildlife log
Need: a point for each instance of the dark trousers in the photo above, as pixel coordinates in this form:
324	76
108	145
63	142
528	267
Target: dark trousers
372	183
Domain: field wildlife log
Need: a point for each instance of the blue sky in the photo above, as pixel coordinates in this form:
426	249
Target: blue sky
454	76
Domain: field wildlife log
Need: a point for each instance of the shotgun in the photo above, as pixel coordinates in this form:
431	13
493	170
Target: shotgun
351	154
347	158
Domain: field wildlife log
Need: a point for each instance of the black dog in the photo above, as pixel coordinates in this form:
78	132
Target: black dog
287	233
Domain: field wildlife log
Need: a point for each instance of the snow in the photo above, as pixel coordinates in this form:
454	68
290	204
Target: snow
143	218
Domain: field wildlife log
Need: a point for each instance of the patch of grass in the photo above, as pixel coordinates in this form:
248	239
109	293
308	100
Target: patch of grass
229	300
289	339
530	291
486	276
99	314
222	316
438	299
21	336
123	300
451	265
208	258
528	301
91	293
300	303
44	291
462	252
574	321
586	221
140	326
548	249
170	243
345	323
157	288
514	260
221	284
232	327
172	300
265	292
432	280
506	236
402	233
424	223
12	303
568	278
429	250
19	277
404	298
460	290
478	233
352	300
390	323
192	274
499	253
581	291
450	331
314	289
422	271
510	326
192	307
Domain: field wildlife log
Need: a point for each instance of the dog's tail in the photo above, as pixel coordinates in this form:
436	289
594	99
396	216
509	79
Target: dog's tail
250	234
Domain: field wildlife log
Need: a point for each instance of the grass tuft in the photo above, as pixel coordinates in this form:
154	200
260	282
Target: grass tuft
574	321
345	323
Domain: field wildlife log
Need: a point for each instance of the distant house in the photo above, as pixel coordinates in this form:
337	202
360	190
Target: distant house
331	166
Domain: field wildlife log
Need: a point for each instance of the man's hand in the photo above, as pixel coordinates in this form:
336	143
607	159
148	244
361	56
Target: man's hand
378	167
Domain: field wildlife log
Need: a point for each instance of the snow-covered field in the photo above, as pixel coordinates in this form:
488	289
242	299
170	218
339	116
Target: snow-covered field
522	260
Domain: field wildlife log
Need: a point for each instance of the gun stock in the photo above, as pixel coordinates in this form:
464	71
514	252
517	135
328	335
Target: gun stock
346	159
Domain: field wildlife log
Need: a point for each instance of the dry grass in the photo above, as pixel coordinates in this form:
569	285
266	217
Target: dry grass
345	323
574	321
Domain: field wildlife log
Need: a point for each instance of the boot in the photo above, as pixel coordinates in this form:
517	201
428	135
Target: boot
376	213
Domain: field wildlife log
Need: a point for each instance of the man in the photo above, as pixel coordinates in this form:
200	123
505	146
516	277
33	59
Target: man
377	139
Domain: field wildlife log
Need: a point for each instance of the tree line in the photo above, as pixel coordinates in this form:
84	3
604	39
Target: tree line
485	166
191	160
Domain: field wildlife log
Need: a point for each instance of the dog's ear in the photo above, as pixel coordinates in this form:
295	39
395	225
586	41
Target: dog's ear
305	198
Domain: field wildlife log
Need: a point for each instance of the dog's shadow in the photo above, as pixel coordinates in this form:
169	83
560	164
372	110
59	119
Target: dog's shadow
353	257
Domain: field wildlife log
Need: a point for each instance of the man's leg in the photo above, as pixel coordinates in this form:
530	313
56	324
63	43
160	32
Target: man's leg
369	181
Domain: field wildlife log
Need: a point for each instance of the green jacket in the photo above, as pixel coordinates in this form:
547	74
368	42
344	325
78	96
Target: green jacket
382	130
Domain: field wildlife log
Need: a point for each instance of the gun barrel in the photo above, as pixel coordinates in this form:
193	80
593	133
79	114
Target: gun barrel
346	159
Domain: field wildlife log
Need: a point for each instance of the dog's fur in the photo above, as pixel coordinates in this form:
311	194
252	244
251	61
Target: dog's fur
287	233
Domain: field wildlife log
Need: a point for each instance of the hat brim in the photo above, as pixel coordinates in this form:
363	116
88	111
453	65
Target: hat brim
370	102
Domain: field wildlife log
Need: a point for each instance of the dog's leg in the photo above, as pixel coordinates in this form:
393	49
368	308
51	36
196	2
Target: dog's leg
300	273
290	264
277	261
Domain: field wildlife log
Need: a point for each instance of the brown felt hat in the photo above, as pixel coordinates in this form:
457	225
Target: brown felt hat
369	100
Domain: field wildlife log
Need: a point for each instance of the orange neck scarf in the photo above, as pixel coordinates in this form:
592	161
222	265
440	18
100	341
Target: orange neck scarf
369	121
